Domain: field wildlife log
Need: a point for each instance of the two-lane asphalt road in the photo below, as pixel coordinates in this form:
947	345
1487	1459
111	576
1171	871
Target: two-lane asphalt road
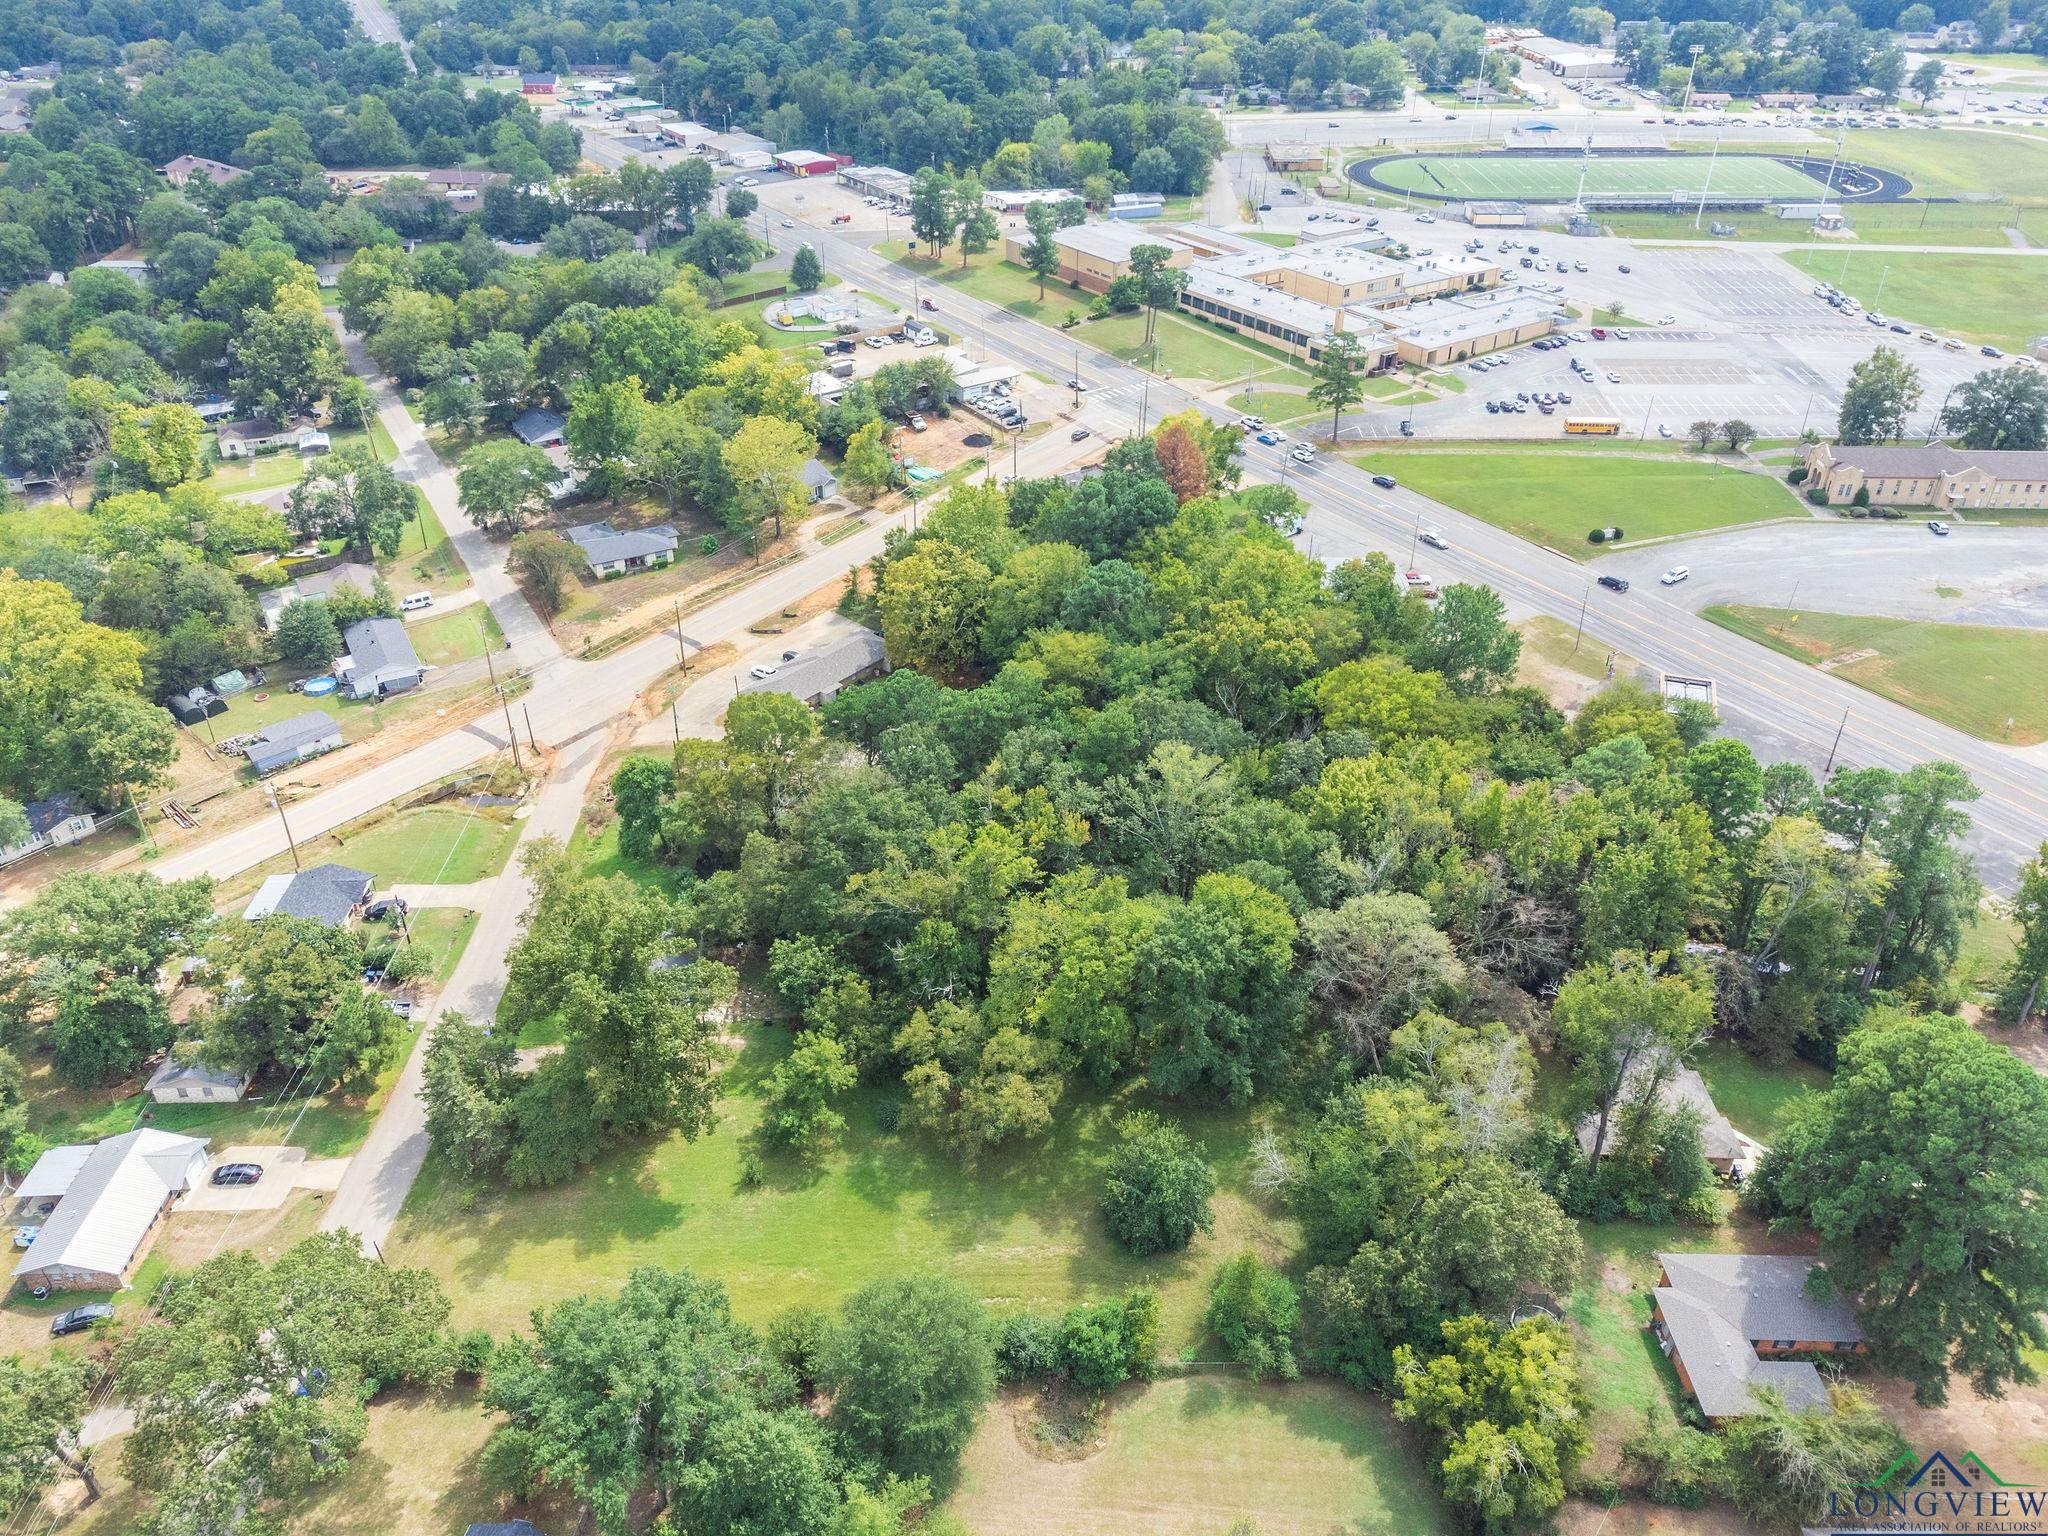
1782	708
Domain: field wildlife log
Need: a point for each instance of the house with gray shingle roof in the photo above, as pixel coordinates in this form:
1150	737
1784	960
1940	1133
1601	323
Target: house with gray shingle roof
1731	1321
380	661
328	894
615	552
108	1207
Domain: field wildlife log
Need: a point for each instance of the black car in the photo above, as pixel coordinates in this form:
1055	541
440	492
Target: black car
78	1319
1614	583
386	906
237	1173
1384	482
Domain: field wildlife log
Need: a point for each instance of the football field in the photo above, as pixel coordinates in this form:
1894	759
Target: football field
1555	178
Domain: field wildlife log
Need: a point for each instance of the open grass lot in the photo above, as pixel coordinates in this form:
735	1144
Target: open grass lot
1971	676
1956	162
1554	498
433	845
1018	1229
426	561
1549	178
990	278
1753	1094
1979	298
1193	1456
461	635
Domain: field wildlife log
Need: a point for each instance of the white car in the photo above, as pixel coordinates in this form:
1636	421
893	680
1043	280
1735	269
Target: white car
747	181
1663	429
1278	435
1668	320
1303	454
1251	423
765	670
1613	377
789	223
1675	575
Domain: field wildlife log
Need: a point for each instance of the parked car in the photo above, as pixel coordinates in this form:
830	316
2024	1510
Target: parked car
78	1319
1936	526
1614	583
1613	377
1663	429
386	906
236	1173
24	1237
1675	575
1419	583
918	423
764	670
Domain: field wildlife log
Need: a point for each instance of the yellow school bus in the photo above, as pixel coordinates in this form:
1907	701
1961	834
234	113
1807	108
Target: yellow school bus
1591	426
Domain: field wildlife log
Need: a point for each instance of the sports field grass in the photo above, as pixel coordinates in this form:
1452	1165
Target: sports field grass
1019	1229
1198	1456
1555	497
1548	178
1971	676
1999	299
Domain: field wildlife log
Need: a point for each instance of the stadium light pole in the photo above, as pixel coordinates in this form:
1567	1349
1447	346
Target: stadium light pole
1697	50
1708	185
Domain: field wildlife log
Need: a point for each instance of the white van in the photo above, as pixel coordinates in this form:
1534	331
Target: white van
414	602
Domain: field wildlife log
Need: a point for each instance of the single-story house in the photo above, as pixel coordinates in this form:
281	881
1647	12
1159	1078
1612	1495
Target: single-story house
293	741
246	438
109	1202
1295	157
818	678
380	660
183	169
614	552
329	894
1729	1320
52	823
193	1082
822	481
539	83
347	576
21	481
1726	1149
539	429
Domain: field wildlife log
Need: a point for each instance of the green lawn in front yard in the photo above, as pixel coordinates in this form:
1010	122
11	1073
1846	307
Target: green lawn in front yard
432	845
1020	1228
1974	677
426	560
1555	497
1202	1455
461	635
1978	298
1754	1095
270	470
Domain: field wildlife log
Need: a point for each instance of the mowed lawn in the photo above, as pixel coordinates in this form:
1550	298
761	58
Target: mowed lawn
463	634
1556	498
1019	1229
1194	1456
437	845
1980	298
1755	1095
1972	676
1553	178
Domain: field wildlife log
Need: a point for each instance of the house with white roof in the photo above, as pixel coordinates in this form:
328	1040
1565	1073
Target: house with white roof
110	1198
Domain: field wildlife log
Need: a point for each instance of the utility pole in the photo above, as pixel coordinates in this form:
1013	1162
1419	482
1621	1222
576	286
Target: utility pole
1830	768
532	740
277	804
511	735
682	655
1584	598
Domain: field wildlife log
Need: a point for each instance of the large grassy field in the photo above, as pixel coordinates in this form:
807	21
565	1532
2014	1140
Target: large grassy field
1550	178
1199	1456
1971	676
1998	299
1554	498
1019	1229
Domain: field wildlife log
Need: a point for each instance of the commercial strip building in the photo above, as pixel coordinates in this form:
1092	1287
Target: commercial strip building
1569	61
1295	157
1096	255
875	181
1017	200
1932	475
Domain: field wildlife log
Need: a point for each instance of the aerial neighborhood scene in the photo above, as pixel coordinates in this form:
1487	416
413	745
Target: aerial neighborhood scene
825	769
